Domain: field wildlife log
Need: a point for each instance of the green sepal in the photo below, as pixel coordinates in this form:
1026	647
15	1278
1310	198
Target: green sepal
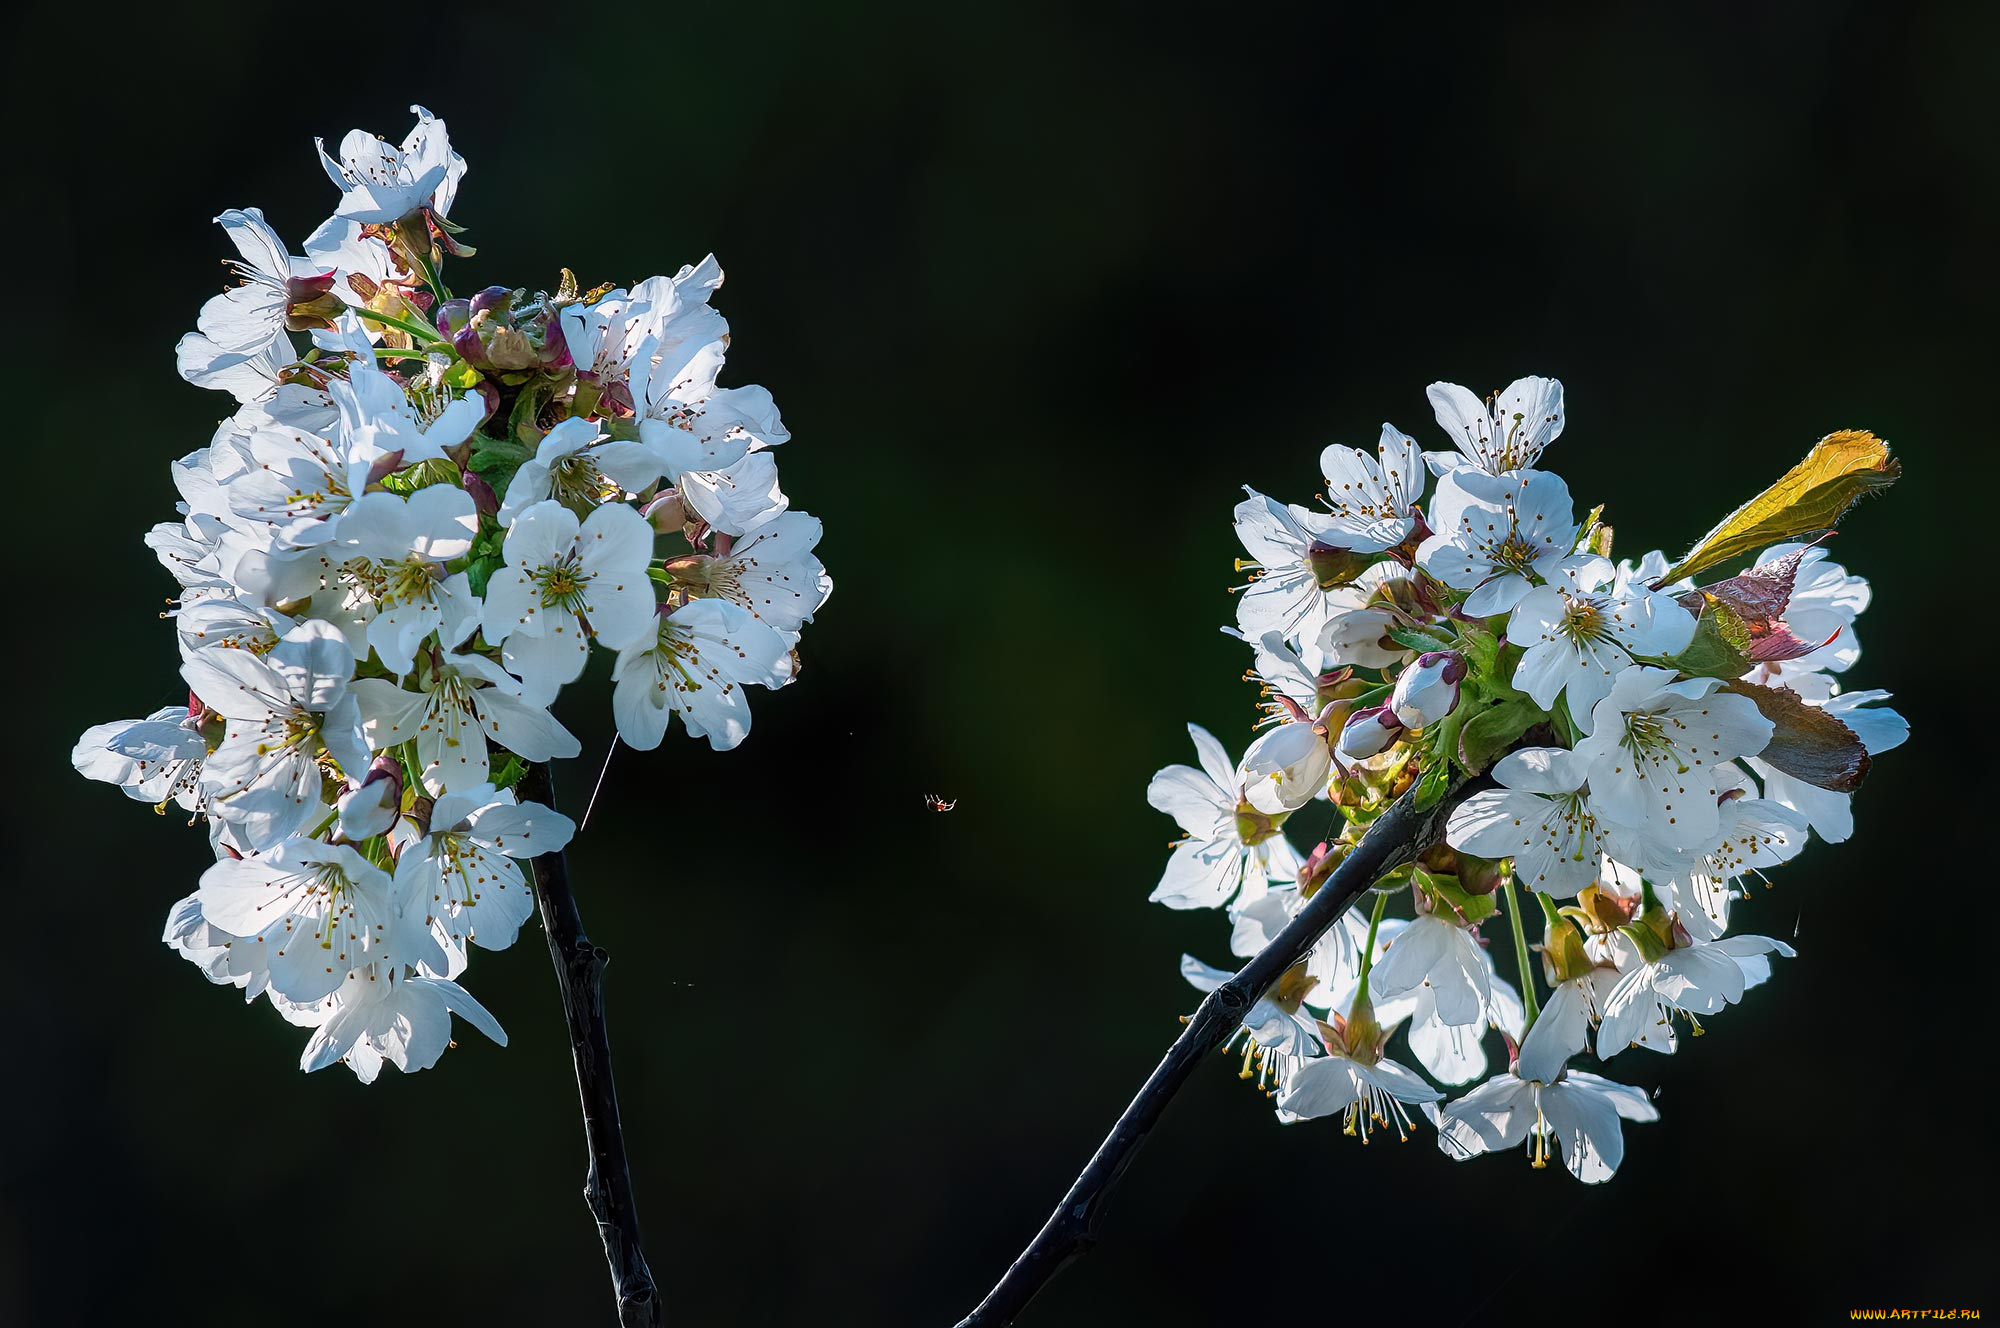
1374	696
439	470
413	774
1447	890
1421	642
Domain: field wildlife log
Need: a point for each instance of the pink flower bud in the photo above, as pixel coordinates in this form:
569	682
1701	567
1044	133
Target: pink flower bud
1427	691
1369	733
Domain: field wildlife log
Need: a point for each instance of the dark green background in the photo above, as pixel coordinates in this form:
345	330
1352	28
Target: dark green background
1035	290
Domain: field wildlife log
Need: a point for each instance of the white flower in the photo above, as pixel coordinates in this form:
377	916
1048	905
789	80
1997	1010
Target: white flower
284	711
771	572
605	336
1372	500
1296	560
462	867
1542	817
296	482
377	419
224	958
696	661
396	590
229	623
322	910
1356	1080
1563	1028
460	706
565	583
1499	435
1356	631
1494	532
250	318
688	422
381	184
1656	750
1434	951
1699	978
1756	833
153	759
1581	630
385	1014
1579	1111
1230	846
576	465
1455	1053
618	335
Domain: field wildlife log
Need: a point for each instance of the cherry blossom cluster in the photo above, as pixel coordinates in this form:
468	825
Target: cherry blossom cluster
1649	744
424	512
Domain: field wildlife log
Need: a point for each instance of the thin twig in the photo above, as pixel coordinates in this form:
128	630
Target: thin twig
1396	837
607	1185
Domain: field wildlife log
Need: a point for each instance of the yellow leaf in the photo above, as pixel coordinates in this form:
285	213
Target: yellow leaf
1811	496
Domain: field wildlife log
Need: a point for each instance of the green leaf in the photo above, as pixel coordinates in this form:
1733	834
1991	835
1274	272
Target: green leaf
1492	730
1813	495
481	569
1481	649
496	459
510	772
1720	647
1430	789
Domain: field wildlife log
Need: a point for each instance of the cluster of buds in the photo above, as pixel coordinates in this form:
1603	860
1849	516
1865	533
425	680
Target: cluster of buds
1425	692
406	540
1648	742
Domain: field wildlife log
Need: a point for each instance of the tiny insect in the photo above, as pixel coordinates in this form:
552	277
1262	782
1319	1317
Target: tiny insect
937	804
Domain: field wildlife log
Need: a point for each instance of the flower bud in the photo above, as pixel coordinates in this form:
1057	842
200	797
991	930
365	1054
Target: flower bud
494	300
666	511
370	808
1369	733
1427	691
1319	865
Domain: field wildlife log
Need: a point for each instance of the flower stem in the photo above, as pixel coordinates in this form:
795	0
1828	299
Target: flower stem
1528	1000
1368	951
1395	837
607	1185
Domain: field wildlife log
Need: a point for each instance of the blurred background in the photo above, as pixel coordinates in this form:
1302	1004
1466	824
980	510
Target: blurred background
1035	290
